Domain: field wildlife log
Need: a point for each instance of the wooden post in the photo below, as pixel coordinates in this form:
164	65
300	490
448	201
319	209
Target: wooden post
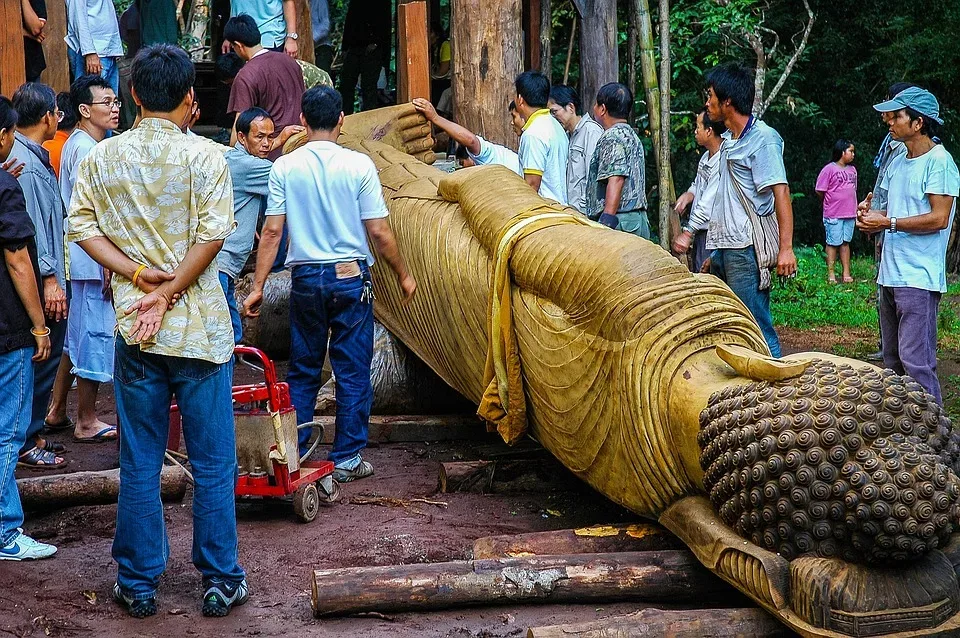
485	36
531	35
599	63
57	73
12	73
304	32
546	31
413	52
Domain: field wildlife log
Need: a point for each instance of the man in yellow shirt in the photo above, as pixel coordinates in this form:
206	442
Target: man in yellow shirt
153	206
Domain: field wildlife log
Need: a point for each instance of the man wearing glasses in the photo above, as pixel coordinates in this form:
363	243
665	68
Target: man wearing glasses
37	105
91	321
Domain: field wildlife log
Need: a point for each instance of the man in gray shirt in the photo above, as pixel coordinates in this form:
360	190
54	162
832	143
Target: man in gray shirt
37	106
250	172
753	181
564	105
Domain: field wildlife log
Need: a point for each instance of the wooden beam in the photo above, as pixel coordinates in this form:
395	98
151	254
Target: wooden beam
648	623
486	41
57	73
12	73
413	52
531	35
637	537
304	32
409	429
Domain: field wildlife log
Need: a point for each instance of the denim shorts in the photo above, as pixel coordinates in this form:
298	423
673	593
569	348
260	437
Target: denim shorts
839	231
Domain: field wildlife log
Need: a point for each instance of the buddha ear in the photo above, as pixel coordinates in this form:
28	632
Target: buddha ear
760	367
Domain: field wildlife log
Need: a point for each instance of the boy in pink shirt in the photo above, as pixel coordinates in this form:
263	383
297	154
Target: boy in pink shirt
837	190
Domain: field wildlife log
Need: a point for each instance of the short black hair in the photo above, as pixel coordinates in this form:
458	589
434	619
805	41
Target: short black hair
247	117
461	153
898	87
8	115
65	104
33	100
162	76
617	98
227	67
563	95
81	91
322	106
512	106
242	29
928	126
734	82
718	128
534	88
839	149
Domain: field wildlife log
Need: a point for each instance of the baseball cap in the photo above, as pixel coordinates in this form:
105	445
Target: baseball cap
920	100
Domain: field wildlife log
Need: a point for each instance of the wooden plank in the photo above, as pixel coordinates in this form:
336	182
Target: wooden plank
12	72
687	623
408	429
486	40
413	52
57	73
531	35
304	32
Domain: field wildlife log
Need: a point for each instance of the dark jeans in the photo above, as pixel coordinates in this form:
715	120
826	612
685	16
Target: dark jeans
908	333
738	268
320	306
44	374
144	384
323	56
359	64
229	285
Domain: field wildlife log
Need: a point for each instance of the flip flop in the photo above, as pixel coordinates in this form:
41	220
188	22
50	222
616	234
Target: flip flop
39	459
99	437
58	427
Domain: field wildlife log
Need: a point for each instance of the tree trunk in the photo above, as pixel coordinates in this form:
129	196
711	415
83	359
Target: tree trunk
305	33
57	73
57	491
668	227
694	623
198	31
546	30
486	41
673	576
651	85
641	537
599	63
632	28
466	476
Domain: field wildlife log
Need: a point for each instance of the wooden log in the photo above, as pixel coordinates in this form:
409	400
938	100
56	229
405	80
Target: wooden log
410	429
486	40
305	33
637	537
12	70
599	63
413	53
56	491
466	476
692	623
673	576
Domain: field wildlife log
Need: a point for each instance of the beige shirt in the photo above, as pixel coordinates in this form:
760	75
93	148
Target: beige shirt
155	192
583	141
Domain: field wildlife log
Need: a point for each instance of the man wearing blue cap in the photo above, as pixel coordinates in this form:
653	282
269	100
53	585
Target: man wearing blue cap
921	186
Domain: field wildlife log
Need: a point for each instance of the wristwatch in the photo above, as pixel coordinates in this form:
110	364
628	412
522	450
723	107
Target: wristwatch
293	36
893	224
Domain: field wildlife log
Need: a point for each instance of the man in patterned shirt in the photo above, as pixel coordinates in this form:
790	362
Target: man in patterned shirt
153	206
615	181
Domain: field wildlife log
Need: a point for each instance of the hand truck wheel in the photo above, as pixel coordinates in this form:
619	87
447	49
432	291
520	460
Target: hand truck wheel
329	489
306	502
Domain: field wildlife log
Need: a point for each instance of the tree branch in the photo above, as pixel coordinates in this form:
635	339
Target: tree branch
790	64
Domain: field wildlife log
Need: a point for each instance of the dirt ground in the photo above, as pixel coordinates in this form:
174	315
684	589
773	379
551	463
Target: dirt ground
69	595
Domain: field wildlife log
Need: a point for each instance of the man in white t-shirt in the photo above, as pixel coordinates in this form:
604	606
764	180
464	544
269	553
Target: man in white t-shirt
479	150
543	144
922	187
332	200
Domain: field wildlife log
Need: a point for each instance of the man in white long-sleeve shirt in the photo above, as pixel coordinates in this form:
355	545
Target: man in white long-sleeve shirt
702	193
93	40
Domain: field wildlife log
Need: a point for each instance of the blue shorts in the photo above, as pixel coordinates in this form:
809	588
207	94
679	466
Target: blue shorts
839	231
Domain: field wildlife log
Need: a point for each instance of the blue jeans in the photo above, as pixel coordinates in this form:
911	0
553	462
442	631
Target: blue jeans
738	268
229	285
321	304
44	374
109	70
144	385
16	394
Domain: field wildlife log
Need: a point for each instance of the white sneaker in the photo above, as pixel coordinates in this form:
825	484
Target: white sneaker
22	547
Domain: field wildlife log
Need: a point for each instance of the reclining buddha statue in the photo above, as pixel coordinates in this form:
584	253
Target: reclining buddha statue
824	489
